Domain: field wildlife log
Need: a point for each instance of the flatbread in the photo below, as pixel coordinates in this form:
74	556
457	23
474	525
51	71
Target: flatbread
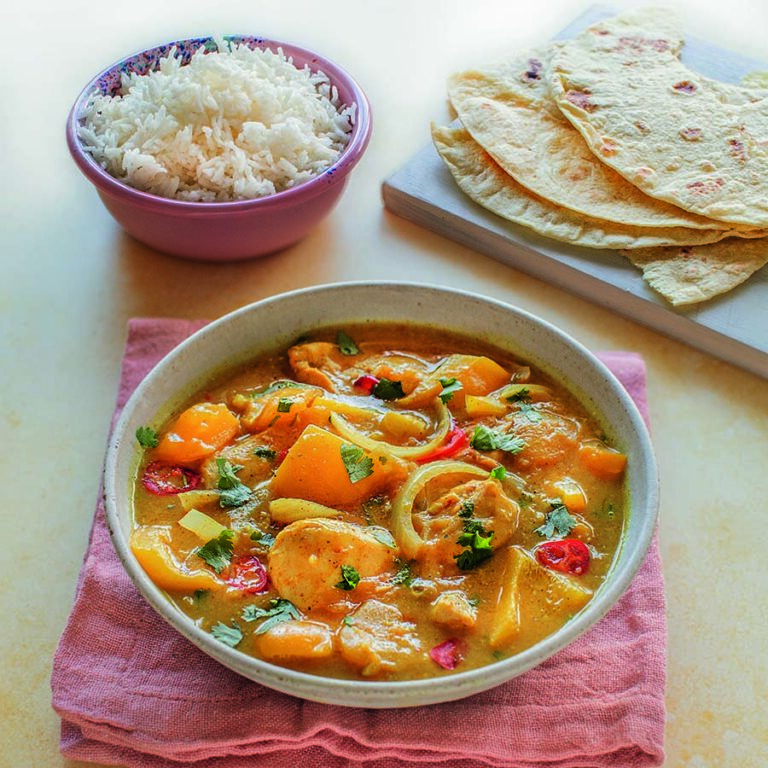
481	179
691	274
677	136
508	109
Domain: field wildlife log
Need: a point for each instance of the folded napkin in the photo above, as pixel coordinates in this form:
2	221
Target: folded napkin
132	691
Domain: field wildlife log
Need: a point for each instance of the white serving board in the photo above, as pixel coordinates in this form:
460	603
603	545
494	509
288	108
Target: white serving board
733	327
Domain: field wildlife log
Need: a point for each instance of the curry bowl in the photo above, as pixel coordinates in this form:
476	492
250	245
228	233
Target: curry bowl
524	343
241	226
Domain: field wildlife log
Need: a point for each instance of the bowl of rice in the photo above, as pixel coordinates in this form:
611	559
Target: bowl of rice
220	148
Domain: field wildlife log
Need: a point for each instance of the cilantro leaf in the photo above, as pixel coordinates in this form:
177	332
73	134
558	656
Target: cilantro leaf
404	574
279	610
265	539
383	536
486	439
284	405
235	497
478	545
386	389
523	395
147	437
229	635
467	508
350	578
559	523
218	552
450	387
346	344
233	492
358	465
498	473
263	452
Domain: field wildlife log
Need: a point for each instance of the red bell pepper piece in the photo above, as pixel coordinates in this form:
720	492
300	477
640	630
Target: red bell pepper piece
455	440
248	574
166	479
565	555
366	382
449	654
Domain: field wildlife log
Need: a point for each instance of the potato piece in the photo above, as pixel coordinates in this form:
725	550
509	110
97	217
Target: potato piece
530	591
314	469
152	546
480	406
454	610
305	562
290	642
377	639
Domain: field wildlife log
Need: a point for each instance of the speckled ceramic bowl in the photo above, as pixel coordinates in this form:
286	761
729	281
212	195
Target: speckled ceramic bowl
225	231
277	322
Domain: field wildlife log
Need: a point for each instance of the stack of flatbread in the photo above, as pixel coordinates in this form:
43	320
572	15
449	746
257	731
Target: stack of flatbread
609	141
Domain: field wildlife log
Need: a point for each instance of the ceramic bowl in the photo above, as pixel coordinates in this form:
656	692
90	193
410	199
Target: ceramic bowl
277	322
222	231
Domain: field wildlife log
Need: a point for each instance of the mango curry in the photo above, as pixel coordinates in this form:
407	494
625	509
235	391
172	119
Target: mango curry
379	502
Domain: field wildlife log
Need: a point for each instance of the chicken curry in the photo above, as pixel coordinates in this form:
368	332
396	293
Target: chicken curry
379	502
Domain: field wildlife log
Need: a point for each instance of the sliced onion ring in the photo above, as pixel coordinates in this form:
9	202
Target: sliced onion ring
409	452
407	539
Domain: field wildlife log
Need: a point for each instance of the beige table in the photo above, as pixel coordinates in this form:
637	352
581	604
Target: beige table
70	279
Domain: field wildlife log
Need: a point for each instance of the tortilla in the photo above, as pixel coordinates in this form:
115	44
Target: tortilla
481	179
508	109
677	136
690	274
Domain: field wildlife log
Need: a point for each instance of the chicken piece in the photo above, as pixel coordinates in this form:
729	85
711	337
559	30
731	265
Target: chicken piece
453	610
245	453
376	638
319	363
305	563
548	437
444	520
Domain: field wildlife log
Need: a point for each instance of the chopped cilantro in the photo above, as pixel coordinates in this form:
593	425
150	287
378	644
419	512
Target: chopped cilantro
358	465
559	523
450	387
265	539
386	389
233	492
284	404
467	508
404	574
498	473
147	437
346	344
531	412
383	536
486	439
347	621
478	545
218	552
274	387
279	610
229	635
263	452
350	578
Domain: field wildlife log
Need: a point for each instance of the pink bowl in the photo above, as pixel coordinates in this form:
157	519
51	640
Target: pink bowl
226	231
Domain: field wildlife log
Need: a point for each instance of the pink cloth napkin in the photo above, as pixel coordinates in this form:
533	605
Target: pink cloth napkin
131	691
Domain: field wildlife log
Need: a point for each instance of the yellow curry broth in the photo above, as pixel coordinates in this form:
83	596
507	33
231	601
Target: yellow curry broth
380	562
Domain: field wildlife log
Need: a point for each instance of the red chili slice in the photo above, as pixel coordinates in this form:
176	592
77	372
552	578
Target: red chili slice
449	654
366	382
566	556
455	440
166	479
248	574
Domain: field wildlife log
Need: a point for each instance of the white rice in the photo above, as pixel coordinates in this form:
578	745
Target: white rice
231	125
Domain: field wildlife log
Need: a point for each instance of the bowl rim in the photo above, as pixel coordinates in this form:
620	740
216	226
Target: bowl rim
335	173
396	694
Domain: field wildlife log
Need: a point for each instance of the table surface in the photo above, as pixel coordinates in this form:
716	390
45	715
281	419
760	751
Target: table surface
71	279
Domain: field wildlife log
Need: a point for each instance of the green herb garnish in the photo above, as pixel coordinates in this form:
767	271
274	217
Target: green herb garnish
229	635
358	465
279	610
346	344
218	552
559	523
265	539
467	508
386	389
284	405
147	437
478	545
450	387
498	473
234	492
263	452
404	573
486	439
350	578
